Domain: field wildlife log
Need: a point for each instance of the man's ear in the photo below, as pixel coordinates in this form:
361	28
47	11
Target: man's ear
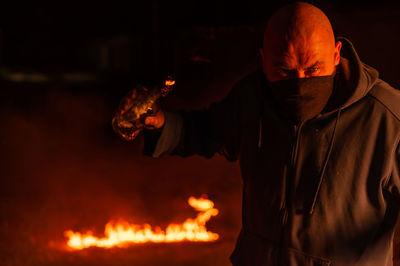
338	47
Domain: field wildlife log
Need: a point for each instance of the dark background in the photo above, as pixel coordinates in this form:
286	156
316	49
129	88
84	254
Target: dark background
64	65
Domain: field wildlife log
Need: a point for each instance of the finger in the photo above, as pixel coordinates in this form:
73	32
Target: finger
134	134
150	121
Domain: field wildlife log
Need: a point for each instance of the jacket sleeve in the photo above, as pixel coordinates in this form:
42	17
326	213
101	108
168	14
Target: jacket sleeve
203	132
393	183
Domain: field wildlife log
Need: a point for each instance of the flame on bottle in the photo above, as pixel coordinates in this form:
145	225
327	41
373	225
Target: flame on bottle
169	82
122	233
168	86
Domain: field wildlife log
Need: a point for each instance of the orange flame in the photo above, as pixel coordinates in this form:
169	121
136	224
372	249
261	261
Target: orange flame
123	233
169	82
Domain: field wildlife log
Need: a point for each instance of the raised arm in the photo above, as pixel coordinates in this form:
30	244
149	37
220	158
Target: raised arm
204	132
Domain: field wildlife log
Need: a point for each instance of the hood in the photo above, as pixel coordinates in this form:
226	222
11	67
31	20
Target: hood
354	78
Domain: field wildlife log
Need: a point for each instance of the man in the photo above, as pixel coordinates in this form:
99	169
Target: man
316	133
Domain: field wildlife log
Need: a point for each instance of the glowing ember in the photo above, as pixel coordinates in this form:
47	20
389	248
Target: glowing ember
122	233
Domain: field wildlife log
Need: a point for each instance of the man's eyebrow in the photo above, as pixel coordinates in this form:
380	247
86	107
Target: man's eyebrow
316	64
282	61
281	64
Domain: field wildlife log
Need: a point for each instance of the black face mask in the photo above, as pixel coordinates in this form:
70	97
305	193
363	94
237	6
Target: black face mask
301	99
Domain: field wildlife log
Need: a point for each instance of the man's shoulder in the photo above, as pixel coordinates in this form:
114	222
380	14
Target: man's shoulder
251	78
251	84
387	96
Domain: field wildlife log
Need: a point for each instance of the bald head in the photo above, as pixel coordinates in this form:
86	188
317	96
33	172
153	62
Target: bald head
298	43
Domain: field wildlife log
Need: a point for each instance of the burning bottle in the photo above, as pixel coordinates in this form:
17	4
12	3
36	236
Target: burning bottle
138	104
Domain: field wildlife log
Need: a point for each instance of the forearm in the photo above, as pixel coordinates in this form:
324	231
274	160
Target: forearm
202	132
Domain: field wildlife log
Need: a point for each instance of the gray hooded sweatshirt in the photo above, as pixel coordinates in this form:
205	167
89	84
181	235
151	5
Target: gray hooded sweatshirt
324	192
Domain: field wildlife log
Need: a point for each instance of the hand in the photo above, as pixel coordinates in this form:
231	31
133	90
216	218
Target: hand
155	121
129	130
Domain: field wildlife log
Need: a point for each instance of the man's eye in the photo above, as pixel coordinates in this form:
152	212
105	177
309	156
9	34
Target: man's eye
284	72
312	70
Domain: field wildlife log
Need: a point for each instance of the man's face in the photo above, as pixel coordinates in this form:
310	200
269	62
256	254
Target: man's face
299	58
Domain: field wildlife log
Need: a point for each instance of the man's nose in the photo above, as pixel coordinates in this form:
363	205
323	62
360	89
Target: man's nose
300	74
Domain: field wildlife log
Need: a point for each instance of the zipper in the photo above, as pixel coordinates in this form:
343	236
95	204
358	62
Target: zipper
260	132
290	173
296	133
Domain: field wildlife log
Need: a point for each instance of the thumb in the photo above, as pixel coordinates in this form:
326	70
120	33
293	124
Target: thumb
155	121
